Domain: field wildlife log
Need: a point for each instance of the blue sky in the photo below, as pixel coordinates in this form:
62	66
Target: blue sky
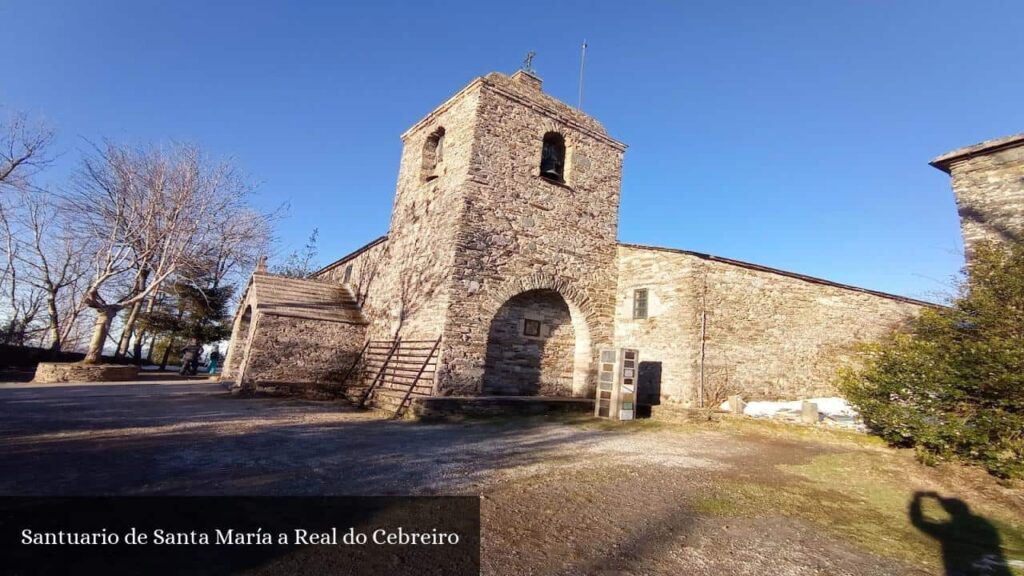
791	134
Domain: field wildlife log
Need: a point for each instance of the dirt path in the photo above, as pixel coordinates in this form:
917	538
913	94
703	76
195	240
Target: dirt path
558	496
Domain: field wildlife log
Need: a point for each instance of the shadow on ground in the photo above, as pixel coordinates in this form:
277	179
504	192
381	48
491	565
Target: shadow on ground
970	542
193	439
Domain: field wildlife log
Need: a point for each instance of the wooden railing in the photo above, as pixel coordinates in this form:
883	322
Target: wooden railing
403	365
430	358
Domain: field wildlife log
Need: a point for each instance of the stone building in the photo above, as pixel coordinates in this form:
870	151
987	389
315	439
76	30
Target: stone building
988	182
501	275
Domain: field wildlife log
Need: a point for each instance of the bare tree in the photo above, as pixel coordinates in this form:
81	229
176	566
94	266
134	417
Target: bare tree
238	239
49	258
147	212
23	147
22	301
133	218
241	237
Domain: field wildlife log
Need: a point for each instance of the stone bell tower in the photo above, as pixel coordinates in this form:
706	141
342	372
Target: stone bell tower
532	284
502	242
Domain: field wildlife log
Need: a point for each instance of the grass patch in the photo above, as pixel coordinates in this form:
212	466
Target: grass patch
874	485
859	497
606	425
719	505
778	429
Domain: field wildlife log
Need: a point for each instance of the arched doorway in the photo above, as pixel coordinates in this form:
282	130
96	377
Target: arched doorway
537	346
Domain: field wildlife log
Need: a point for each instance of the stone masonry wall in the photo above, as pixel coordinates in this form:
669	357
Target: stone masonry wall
520	231
300	350
669	339
402	282
765	334
522	365
989	192
240	332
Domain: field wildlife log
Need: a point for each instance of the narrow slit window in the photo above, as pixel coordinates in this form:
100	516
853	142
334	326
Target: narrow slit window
439	147
433	154
640	304
348	274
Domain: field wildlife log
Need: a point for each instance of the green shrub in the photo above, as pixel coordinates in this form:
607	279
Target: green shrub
952	385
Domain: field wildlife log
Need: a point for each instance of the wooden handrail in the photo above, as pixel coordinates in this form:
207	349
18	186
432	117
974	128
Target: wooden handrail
380	373
408	392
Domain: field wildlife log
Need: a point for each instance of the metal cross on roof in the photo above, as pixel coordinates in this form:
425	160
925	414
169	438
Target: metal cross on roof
528	61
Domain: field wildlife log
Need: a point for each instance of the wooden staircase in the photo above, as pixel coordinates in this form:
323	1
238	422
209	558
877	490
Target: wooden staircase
393	372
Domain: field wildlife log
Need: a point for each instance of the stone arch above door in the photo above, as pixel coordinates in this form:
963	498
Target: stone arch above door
576	299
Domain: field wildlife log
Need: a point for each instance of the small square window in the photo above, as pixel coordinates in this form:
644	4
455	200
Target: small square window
531	328
640	304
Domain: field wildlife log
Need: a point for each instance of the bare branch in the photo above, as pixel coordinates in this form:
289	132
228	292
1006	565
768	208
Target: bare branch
155	214
23	147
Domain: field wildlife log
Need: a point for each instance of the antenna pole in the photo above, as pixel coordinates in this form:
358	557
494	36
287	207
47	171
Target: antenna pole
583	62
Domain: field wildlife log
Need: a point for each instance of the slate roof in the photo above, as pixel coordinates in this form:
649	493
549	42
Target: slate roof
945	162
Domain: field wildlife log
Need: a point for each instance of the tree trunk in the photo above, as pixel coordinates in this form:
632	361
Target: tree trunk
138	349
167	353
104	316
51	306
126	333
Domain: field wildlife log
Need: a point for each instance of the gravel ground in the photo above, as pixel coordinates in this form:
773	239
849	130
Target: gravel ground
558	496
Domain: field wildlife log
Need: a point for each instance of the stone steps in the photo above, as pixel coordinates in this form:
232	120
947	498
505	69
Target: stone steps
383	399
335	295
306	298
285	280
328	294
387	400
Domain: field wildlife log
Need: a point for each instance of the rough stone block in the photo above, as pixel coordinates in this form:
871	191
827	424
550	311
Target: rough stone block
809	412
737	405
62	372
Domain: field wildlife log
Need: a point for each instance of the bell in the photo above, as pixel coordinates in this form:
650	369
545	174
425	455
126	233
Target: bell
551	173
552	157
549	165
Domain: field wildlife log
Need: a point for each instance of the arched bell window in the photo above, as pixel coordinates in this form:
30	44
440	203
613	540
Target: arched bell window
433	154
552	157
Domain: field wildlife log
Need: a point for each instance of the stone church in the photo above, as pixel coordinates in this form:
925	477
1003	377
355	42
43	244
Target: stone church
501	274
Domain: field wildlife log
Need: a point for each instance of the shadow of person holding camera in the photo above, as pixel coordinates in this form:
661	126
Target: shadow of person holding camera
970	543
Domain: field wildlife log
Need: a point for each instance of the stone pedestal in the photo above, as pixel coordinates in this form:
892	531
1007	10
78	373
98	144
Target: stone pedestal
61	372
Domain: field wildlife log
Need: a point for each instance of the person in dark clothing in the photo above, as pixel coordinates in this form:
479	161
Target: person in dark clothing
970	543
190	358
